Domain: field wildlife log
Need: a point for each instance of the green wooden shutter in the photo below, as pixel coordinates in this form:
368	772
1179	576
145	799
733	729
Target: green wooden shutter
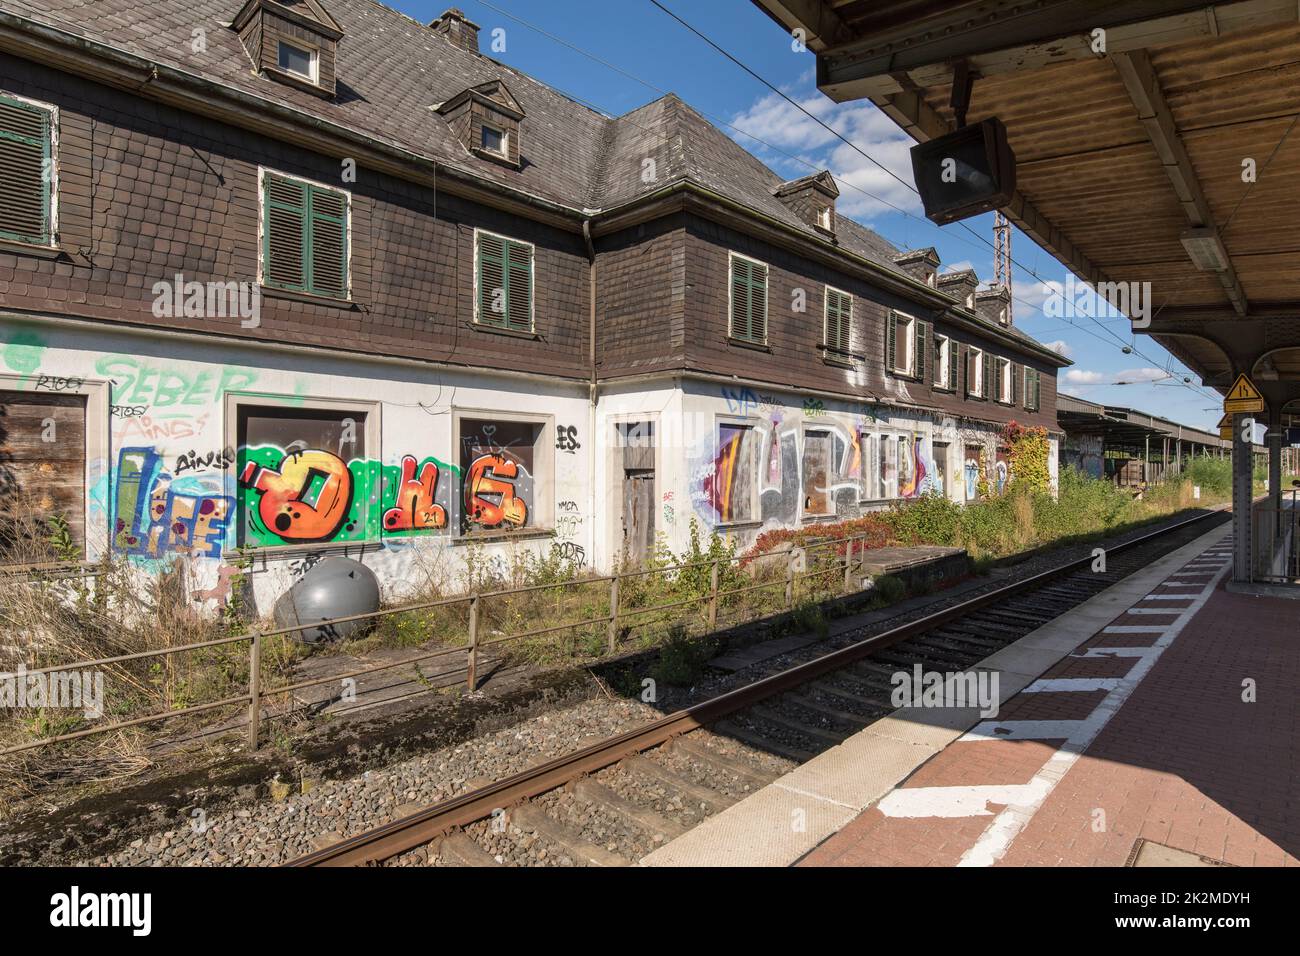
748	300
492	302
890	331
327	242
1015	390
519	286
954	354
839	309
284	233
305	237
919	350
26	137
988	375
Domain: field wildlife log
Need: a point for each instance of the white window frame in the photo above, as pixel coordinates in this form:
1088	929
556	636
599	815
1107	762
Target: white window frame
943	361
262	172
373	431
543	503
505	139
54	171
971	353
767	294
824	218
826	321
1005	389
755	496
313	55
911	321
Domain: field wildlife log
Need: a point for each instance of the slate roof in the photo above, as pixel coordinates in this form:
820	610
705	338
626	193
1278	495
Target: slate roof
392	69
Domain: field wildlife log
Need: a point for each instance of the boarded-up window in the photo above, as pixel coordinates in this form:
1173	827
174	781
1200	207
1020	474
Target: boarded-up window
733	488
888	467
839	322
27	173
498	461
941	467
304	237
504	270
42	477
301	475
817	498
748	300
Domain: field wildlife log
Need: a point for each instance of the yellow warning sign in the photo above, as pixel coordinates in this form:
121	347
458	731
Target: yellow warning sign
1225	428
1242	397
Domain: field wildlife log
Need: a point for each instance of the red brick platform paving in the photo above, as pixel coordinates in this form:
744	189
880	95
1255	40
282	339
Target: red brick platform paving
1185	761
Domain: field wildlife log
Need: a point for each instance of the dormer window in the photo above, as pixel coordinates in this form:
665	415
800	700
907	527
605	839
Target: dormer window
812	199
300	62
486	119
295	43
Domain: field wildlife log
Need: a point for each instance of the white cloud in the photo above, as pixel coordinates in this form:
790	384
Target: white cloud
777	122
958	266
1130	376
1061	346
1079	376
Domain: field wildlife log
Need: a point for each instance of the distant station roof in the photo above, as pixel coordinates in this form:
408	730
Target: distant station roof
1121	426
1156	144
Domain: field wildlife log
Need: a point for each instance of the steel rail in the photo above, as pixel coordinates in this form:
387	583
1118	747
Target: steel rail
398	836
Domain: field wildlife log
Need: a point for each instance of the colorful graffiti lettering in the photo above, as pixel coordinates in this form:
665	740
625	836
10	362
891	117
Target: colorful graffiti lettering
485	477
814	407
157	514
415	508
306	497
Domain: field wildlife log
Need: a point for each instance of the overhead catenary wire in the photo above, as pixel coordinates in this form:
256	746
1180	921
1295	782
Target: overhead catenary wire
979	240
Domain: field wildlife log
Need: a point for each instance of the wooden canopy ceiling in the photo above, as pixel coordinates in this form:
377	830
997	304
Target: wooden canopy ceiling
1119	151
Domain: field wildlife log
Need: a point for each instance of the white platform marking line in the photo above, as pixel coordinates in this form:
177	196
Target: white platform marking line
1134	629
955	801
1067	685
1007	825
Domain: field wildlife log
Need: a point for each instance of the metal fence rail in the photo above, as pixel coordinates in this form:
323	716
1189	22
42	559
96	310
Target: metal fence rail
806	563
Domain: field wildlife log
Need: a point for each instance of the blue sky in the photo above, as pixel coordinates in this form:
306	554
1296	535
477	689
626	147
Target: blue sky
645	53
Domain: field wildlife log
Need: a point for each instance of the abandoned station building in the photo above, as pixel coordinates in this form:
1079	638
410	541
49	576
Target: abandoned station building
305	281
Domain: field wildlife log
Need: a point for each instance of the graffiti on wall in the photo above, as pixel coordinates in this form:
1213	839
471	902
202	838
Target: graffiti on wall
415	506
312	495
157	514
490	498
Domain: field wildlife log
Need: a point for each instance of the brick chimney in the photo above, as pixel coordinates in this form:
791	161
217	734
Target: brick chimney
457	29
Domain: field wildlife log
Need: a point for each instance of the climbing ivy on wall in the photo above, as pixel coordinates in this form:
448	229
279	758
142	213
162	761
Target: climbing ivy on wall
1029	454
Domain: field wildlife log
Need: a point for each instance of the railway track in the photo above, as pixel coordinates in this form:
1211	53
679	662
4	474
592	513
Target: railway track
656	781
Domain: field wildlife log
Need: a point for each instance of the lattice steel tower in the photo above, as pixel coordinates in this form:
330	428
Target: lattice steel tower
1002	257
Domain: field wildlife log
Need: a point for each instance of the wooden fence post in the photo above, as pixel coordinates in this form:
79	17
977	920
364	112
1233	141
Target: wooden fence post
713	597
789	578
848	565
613	612
254	688
471	665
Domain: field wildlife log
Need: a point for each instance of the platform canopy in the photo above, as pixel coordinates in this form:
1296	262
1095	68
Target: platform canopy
1121	427
1156	140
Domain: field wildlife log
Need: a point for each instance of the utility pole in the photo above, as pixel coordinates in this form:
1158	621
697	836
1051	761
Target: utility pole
1002	258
